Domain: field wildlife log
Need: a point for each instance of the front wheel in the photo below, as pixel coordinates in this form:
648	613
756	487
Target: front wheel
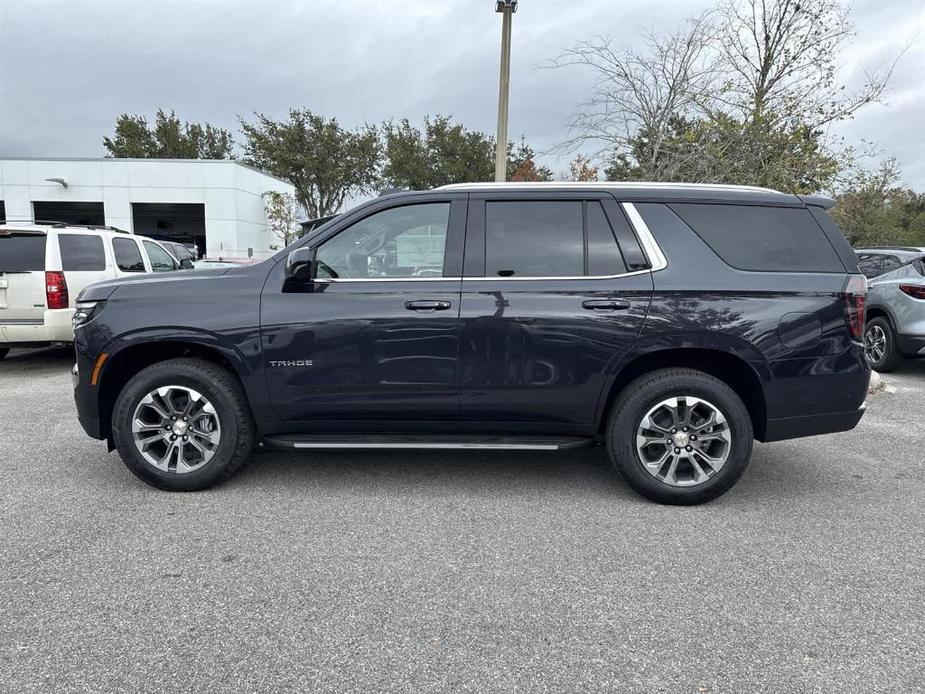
183	424
679	436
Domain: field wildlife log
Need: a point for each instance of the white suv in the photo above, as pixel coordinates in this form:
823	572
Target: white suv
44	267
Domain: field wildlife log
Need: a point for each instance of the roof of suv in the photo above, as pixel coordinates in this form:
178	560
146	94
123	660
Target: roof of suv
45	227
661	192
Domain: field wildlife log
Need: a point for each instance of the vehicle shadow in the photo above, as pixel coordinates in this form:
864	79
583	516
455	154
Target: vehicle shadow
914	368
51	357
579	472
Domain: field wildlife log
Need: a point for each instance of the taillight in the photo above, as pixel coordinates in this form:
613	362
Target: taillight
56	290
855	294
912	290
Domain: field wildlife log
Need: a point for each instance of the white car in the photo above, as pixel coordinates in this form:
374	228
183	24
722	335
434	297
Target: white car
44	267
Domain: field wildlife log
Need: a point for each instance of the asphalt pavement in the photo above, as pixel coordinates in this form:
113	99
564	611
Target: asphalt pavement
458	572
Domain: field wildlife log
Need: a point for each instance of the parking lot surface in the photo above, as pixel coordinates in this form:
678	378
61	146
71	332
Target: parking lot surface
458	572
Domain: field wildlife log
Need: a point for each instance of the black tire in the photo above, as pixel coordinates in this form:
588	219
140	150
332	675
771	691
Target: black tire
646	392
3	352
221	388
890	358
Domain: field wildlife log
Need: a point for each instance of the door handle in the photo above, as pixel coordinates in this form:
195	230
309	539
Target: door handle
605	304
427	305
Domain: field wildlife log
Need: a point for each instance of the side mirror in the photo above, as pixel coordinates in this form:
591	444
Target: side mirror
186	264
299	265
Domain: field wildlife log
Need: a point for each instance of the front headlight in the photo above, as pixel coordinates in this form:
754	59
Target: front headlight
86	310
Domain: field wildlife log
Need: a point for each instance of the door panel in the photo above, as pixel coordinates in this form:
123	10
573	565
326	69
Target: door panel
353	351
531	352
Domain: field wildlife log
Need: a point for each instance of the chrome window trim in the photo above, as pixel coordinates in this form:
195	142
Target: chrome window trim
650	247
385	279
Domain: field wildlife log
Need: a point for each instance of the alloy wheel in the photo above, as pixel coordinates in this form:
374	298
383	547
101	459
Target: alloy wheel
176	429
875	344
683	441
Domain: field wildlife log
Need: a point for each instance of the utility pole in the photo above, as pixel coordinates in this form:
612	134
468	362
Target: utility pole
507	8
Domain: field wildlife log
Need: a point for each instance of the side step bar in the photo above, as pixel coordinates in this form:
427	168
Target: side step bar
442	442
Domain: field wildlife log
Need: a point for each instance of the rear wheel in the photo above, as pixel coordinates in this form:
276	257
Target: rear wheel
183	424
4	351
880	345
679	436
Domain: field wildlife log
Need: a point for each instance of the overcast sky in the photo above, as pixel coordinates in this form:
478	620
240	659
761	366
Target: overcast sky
68	68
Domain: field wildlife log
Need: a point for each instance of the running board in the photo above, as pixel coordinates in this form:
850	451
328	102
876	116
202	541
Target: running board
442	442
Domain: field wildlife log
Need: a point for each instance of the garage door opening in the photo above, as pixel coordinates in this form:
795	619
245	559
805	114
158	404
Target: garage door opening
181	222
82	213
2	211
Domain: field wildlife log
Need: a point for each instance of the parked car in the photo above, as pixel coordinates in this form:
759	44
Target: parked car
180	253
896	304
43	267
674	324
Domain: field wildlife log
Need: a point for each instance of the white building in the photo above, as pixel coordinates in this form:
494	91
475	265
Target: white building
215	203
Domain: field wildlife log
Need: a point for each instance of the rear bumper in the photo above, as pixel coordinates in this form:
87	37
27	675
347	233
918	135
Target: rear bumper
911	345
812	425
55	326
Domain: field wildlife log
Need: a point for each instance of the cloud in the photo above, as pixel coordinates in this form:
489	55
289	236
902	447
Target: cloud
69	68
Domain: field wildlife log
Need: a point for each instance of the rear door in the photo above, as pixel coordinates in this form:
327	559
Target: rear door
22	276
550	302
83	259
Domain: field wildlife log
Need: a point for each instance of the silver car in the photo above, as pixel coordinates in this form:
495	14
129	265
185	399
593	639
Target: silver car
895	304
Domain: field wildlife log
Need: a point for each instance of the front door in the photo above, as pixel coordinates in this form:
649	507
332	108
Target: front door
373	338
550	302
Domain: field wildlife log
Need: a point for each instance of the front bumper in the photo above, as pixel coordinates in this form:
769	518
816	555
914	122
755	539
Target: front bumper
86	398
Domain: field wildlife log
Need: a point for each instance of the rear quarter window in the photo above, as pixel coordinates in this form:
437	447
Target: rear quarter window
761	238
22	252
81	253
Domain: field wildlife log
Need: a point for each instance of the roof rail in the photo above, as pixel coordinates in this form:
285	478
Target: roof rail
607	184
911	249
58	224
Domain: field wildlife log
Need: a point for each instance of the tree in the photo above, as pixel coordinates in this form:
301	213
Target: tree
521	164
282	213
324	161
742	94
580	169
167	139
443	153
640	91
726	150
781	59
872	208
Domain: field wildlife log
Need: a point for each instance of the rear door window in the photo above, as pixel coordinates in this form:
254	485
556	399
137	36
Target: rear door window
81	253
541	238
160	259
22	252
604	257
128	257
762	238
